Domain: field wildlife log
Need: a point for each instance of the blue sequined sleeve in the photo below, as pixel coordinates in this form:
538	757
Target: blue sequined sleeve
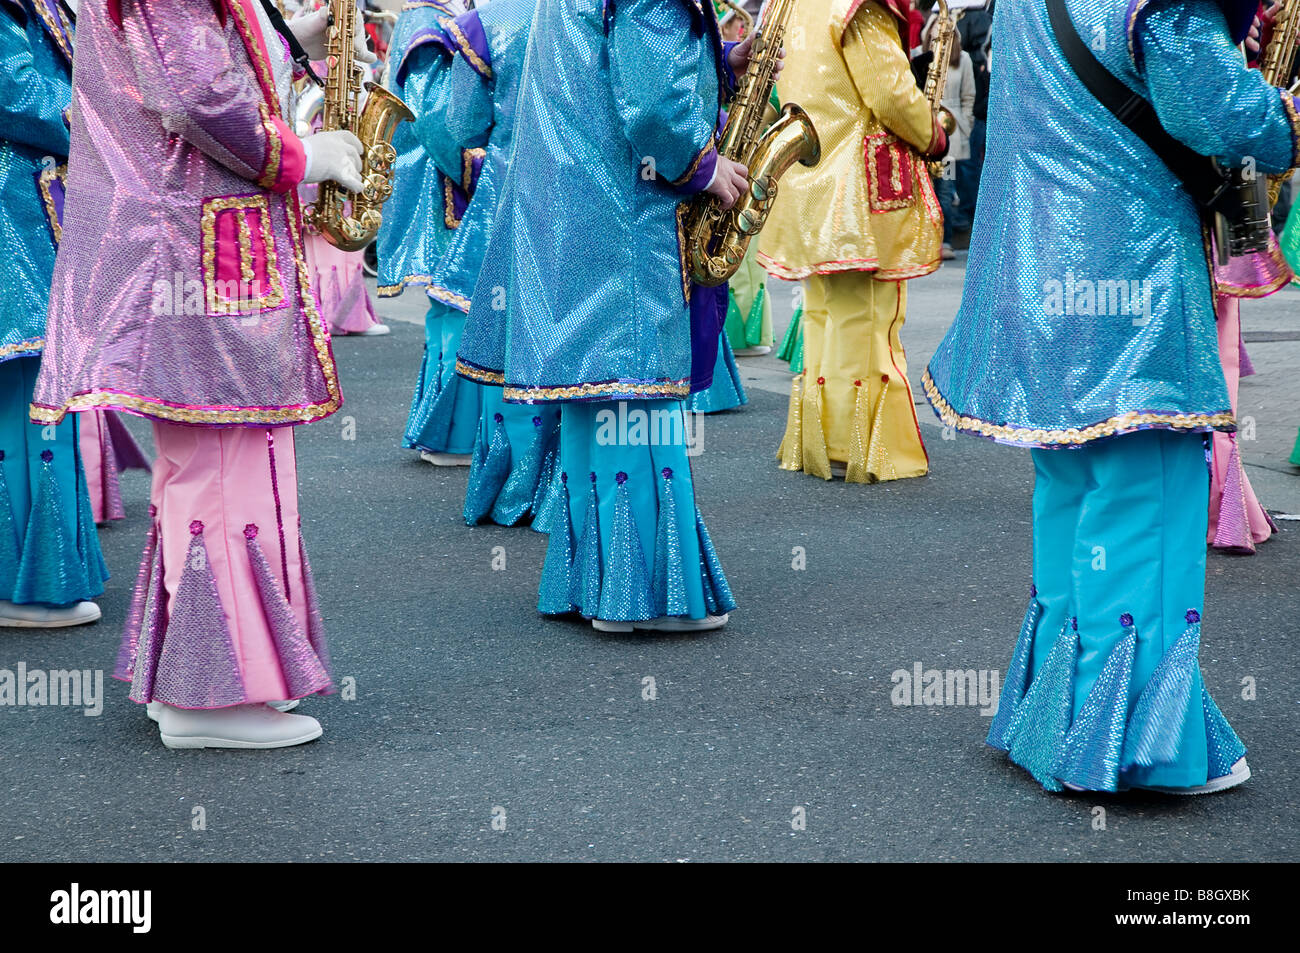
425	88
1205	94
31	104
654	61
469	107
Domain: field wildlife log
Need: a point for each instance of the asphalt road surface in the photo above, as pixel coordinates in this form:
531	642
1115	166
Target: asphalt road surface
481	731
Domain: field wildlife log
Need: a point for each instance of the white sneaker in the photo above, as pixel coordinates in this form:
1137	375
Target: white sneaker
374	331
243	726
758	350
665	623
153	709
447	459
1240	772
38	615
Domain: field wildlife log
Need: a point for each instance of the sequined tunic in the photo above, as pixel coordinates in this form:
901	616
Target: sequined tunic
869	204
35	89
1088	309
583	285
426	205
180	290
480	120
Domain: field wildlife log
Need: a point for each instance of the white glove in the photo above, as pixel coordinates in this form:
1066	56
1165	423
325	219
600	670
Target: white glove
312	31
334	156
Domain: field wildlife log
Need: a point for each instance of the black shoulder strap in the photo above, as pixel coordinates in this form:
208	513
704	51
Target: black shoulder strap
1207	187
296	51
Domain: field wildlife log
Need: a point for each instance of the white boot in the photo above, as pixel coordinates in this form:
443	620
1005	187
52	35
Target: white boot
447	459
243	726
758	350
152	709
665	623
374	331
38	615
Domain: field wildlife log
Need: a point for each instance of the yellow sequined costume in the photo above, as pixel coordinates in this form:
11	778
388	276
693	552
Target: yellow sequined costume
855	228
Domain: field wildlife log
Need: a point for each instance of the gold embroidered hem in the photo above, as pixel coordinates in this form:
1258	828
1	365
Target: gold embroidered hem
604	390
448	297
1072	437
210	416
479	374
22	348
780	270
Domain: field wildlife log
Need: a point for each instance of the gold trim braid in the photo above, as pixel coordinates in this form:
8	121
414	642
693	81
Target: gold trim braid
1073	437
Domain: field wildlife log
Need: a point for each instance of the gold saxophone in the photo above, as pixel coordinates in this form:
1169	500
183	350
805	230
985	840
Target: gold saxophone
1277	65
350	220
936	80
717	238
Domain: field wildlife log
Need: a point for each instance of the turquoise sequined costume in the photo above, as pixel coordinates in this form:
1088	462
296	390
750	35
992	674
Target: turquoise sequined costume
582	298
516	446
420	219
49	549
1088	323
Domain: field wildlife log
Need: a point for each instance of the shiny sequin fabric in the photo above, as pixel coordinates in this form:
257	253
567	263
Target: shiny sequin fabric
180	290
1088	307
36	87
419	218
582	284
869	204
480	115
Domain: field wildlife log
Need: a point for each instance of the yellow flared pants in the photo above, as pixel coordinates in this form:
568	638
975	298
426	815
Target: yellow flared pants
852	404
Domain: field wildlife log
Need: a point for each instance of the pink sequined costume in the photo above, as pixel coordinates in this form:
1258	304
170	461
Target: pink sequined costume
107	448
182	293
1237	519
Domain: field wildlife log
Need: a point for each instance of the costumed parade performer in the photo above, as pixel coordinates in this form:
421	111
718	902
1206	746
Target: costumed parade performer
1087	334
854	229
585	257
181	294
419	220
51	567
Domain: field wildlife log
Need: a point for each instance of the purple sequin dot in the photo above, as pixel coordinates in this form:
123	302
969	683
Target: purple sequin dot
498	418
1126	620
1193	616
621	477
667	472
2	454
250	531
593	476
196	527
1074	623
1033	591
537	421
564	478
47	455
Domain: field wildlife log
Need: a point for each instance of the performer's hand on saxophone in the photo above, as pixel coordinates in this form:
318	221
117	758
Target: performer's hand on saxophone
312	31
738	58
730	179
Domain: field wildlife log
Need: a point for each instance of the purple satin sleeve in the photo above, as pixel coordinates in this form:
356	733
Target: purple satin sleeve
429	35
732	79
471	42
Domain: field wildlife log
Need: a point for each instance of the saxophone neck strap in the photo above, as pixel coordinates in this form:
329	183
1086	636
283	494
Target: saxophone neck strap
1208	186
296	51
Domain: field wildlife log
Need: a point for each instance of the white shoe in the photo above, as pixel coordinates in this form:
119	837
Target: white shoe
665	623
1240	772
243	726
758	350
447	459
38	615
374	331
153	709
